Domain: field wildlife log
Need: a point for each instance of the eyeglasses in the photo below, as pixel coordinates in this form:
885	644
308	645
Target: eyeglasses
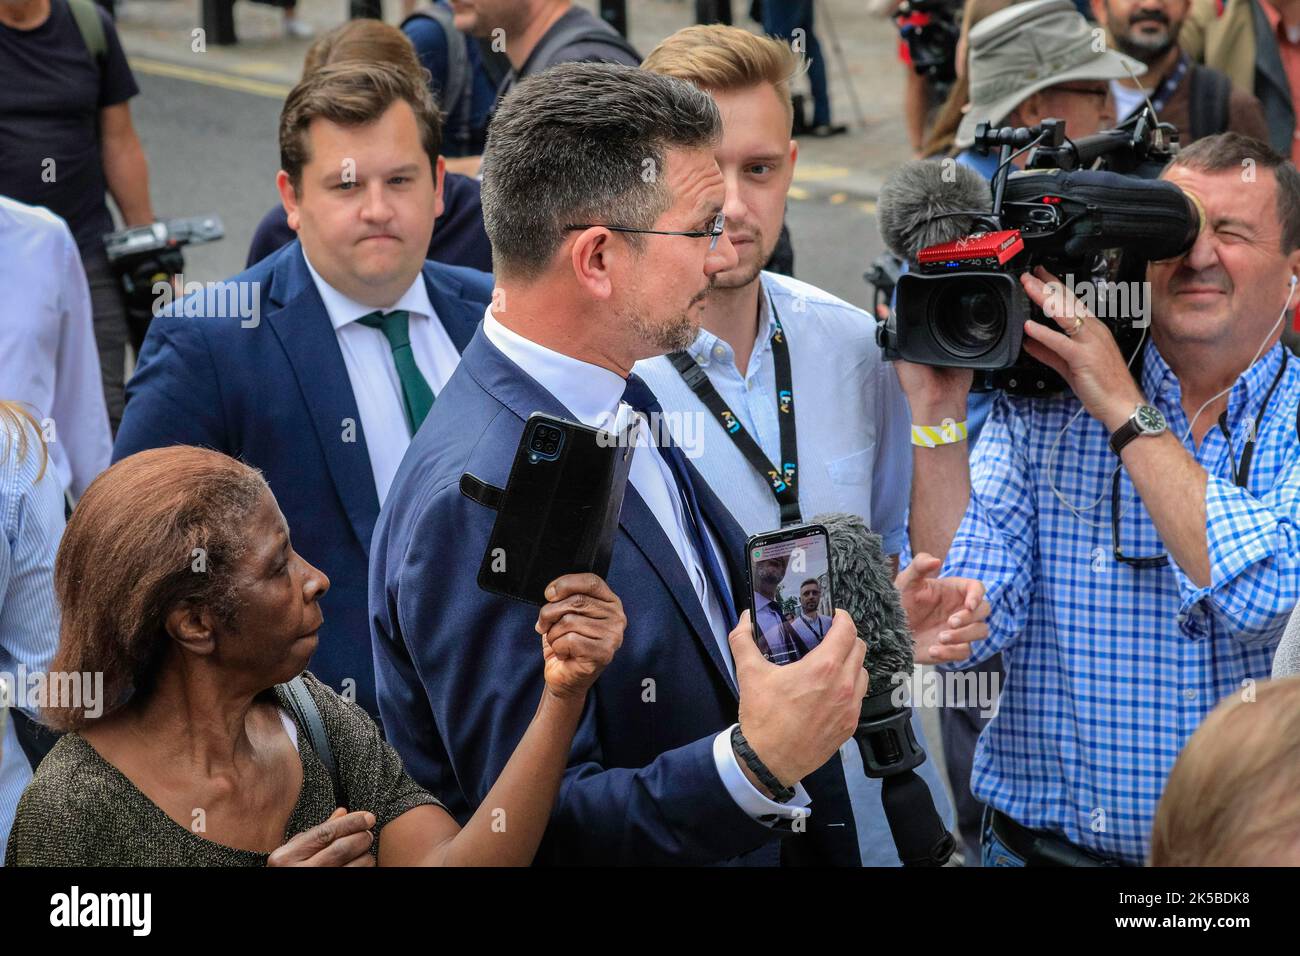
719	224
1151	561
1082	91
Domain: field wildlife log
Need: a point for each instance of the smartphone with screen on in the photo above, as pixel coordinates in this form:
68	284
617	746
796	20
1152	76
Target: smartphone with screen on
791	601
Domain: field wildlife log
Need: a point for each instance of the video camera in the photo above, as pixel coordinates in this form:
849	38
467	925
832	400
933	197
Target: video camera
930	30
143	255
1088	209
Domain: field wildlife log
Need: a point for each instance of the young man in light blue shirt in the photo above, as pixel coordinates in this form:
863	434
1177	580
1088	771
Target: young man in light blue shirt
769	342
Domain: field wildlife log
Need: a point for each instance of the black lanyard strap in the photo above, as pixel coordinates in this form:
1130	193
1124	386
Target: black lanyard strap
783	481
1240	475
1160	98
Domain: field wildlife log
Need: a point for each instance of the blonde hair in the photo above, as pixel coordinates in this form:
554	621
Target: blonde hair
1233	797
14	420
371	41
719	58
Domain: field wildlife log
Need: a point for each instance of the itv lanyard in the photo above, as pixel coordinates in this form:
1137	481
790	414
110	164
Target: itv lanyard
783	480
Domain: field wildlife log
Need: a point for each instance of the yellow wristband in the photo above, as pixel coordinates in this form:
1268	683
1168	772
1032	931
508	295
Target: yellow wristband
931	436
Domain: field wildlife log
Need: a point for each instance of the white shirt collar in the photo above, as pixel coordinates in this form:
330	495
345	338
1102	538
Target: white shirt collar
344	311
589	391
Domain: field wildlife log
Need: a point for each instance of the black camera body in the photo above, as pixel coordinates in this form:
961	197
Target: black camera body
143	255
930	30
962	304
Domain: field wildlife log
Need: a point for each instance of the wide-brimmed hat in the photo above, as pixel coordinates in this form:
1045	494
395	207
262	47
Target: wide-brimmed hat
1028	47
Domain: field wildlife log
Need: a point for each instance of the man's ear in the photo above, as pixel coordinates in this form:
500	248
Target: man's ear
289	198
1100	13
439	174
1028	113
192	627
591	257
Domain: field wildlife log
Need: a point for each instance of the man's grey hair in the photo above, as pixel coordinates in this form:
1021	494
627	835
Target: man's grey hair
584	143
1233	152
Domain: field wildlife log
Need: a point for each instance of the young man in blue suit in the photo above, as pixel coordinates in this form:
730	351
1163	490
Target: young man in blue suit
350	337
602	199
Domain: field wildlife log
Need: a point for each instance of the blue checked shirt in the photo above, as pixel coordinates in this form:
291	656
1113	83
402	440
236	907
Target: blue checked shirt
1110	668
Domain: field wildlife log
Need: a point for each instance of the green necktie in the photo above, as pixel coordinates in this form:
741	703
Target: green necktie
417	397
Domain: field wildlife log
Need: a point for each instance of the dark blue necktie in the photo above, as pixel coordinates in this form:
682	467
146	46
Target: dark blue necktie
638	395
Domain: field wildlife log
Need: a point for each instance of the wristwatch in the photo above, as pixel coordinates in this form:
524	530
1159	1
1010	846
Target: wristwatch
1145	420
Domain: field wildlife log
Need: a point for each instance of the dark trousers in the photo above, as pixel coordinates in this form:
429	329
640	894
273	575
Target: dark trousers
960	728
111	331
781	18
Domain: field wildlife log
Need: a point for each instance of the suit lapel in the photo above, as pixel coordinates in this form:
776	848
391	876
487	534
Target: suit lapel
458	317
303	328
648	535
731	537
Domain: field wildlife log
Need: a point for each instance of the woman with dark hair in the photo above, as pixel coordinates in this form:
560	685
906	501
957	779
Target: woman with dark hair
178	583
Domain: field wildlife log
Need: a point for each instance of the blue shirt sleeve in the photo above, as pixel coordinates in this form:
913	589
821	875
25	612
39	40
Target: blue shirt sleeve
995	541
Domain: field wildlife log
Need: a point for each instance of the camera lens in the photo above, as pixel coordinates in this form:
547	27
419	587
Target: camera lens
969	317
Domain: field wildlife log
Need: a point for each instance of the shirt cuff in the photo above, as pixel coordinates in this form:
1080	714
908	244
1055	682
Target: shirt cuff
746	795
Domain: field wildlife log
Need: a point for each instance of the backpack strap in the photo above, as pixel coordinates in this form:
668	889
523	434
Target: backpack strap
1210	92
91	29
308	716
567	32
456	84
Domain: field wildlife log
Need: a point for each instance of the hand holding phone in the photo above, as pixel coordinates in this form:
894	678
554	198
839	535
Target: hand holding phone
796	717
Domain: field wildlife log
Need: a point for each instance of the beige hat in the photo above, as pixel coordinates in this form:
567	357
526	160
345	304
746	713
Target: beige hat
1028	47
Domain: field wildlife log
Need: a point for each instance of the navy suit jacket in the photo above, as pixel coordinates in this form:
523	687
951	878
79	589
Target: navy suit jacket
277	396
459	670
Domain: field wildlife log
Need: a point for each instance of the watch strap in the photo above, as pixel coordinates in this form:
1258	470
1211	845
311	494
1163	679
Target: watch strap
1124	434
780	792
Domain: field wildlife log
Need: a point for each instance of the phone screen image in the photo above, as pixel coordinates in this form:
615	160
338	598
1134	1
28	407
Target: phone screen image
791	604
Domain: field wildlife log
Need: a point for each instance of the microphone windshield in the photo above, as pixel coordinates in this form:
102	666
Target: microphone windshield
915	204
864	587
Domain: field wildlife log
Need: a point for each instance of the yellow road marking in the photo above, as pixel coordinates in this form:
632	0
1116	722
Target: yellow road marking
240	84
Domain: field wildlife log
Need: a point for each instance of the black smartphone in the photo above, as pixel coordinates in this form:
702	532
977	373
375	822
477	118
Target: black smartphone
791	601
558	513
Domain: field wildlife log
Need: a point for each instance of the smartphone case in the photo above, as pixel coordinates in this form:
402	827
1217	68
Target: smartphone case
554	516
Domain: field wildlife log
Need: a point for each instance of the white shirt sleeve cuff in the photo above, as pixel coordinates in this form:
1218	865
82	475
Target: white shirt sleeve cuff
747	797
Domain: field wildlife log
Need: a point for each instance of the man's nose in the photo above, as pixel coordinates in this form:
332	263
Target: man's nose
1204	253
375	207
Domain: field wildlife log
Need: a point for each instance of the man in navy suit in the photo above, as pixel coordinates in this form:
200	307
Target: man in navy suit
350	337
603	203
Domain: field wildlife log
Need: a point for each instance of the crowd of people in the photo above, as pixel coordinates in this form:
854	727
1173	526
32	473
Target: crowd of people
256	564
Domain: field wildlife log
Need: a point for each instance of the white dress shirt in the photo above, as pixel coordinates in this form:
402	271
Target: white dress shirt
593	394
48	359
369	360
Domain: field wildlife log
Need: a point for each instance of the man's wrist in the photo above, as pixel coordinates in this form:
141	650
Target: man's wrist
756	770
935	412
752	777
1119	411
